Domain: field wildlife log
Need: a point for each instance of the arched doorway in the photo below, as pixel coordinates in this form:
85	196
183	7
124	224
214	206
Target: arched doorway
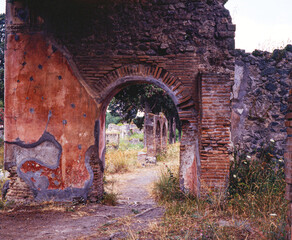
189	150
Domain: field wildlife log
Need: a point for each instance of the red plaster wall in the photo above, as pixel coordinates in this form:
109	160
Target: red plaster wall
38	80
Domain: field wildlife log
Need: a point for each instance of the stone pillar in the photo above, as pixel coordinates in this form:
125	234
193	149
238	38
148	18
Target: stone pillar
150	136
158	134
164	135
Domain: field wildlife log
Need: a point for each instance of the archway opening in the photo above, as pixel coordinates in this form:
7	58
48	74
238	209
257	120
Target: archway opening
136	131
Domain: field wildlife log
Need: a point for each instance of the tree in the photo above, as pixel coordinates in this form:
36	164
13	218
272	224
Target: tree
145	98
111	119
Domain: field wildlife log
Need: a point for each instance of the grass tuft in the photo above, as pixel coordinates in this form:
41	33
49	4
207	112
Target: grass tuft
110	199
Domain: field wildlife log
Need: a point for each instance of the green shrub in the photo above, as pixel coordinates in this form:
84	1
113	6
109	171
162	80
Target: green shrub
167	187
110	199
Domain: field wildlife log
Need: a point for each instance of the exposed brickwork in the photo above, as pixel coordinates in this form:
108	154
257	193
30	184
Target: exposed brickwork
19	191
215	129
96	190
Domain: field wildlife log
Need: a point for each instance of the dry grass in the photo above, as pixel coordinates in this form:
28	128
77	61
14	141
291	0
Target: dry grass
171	156
118	161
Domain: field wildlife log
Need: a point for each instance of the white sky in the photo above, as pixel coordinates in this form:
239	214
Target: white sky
2	6
260	24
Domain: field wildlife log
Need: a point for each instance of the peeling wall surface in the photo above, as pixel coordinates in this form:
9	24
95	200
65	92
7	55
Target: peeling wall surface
64	62
49	119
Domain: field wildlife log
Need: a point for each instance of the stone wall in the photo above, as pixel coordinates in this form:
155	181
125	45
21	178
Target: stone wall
260	100
288	164
112	139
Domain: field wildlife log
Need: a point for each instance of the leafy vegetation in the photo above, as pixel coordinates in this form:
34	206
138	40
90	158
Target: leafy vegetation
111	119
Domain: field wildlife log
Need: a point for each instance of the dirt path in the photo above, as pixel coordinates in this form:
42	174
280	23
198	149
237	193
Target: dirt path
134	212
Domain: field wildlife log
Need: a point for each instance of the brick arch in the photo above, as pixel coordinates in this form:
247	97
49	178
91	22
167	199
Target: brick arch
181	96
112	83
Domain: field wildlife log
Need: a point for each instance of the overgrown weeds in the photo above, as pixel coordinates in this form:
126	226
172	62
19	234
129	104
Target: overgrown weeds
257	188
252	207
167	189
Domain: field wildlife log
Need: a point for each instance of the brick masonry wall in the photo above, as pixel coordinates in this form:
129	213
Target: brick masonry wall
46	119
215	130
96	49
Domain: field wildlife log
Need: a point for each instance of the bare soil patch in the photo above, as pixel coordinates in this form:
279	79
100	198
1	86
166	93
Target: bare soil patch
136	209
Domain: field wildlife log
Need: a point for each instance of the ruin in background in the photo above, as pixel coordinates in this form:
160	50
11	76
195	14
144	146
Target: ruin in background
156	129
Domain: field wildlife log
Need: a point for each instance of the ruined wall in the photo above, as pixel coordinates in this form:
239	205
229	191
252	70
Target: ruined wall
260	100
156	135
49	121
288	164
94	49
